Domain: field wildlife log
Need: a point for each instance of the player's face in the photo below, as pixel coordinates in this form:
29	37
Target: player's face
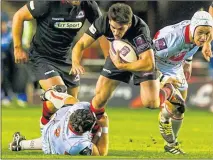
202	34
74	2
117	29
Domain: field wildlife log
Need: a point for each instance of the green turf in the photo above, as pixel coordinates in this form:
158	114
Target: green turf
133	134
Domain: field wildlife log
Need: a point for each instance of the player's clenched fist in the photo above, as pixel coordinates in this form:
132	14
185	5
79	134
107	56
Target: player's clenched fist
20	55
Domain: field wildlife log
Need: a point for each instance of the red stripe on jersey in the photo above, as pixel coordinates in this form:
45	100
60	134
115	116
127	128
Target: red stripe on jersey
156	35
57	97
187	39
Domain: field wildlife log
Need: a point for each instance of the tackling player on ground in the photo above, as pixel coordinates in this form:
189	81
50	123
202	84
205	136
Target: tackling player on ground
175	46
69	130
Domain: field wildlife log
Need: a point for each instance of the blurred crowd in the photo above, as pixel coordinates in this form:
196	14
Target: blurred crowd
17	80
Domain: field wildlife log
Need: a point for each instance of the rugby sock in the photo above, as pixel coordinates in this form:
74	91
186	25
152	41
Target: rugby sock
98	111
46	112
165	114
31	144
176	124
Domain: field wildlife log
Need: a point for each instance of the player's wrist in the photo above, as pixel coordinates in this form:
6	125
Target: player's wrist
18	47
104	129
75	62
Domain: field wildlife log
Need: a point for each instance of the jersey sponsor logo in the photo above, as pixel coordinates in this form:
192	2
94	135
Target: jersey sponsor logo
141	43
48	72
80	15
178	57
106	70
32	7
92	29
68	25
160	44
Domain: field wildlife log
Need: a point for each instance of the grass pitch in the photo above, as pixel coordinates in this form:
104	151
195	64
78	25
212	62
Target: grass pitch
133	134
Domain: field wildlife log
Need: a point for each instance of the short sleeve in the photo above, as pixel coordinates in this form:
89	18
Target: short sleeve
143	41
38	8
96	30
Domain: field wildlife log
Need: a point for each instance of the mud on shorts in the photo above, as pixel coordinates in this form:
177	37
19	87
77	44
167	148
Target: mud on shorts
110	71
44	68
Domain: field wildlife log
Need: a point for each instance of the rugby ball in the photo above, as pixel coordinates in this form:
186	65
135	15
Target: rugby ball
126	51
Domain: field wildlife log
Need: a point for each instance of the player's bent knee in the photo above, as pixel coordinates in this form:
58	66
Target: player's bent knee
181	109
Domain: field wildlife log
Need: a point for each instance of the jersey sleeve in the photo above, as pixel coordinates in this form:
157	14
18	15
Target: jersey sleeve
143	41
92	11
166	45
81	148
96	30
38	8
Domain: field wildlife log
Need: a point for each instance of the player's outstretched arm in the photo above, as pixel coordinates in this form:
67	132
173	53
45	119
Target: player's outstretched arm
84	42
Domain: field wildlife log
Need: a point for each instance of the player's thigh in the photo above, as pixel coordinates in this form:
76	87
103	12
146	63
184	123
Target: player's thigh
106	86
149	91
52	81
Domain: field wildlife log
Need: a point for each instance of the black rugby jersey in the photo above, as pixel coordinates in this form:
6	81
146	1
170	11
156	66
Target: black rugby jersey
138	34
58	23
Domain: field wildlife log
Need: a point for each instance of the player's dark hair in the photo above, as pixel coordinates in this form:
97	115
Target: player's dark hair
120	13
82	120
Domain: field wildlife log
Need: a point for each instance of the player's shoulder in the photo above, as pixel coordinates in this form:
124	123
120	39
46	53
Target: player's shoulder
102	22
139	25
175	31
103	19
